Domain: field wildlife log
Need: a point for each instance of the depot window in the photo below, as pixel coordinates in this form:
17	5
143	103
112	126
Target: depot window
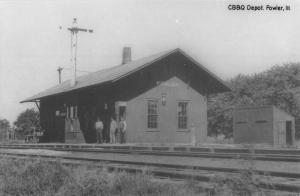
182	114
72	112
152	114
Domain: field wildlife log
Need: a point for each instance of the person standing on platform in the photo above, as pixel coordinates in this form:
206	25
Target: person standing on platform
99	129
122	127
112	131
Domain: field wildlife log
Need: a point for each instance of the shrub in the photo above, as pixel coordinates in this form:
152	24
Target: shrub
32	178
87	182
142	184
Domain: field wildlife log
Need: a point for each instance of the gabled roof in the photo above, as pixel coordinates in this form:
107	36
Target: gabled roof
115	73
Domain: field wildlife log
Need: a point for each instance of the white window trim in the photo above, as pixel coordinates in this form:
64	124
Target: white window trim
187	114
158	114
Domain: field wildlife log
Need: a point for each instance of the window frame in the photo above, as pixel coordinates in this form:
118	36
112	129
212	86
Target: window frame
179	129
72	112
150	129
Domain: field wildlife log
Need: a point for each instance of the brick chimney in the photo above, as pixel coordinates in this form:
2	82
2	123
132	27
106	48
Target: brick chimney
126	55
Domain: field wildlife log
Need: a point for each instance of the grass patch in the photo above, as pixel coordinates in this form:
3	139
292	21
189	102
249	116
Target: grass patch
24	177
32	178
47	178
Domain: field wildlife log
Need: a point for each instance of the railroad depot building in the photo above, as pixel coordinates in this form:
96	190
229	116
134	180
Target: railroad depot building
163	98
263	125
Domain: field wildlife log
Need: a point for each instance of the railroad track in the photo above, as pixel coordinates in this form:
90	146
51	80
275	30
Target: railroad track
282	181
258	154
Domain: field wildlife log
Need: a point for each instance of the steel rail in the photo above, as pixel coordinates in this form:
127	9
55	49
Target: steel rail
164	165
245	156
224	150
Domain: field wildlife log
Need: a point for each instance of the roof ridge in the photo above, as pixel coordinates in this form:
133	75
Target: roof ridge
116	66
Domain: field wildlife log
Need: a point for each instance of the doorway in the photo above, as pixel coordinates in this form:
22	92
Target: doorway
289	139
107	115
281	133
59	126
120	112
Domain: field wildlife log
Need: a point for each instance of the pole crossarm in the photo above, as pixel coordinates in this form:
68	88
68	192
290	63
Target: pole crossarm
76	30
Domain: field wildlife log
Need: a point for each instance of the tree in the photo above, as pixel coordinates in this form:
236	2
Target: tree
278	86
26	121
4	125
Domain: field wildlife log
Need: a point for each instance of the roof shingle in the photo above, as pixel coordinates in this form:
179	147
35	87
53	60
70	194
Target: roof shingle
110	74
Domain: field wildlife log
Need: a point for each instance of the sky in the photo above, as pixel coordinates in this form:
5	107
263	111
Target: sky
227	42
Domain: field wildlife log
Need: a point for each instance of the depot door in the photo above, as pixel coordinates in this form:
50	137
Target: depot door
289	132
120	112
281	133
59	126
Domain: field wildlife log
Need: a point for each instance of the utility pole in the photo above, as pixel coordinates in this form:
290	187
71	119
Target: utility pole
59	69
74	31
